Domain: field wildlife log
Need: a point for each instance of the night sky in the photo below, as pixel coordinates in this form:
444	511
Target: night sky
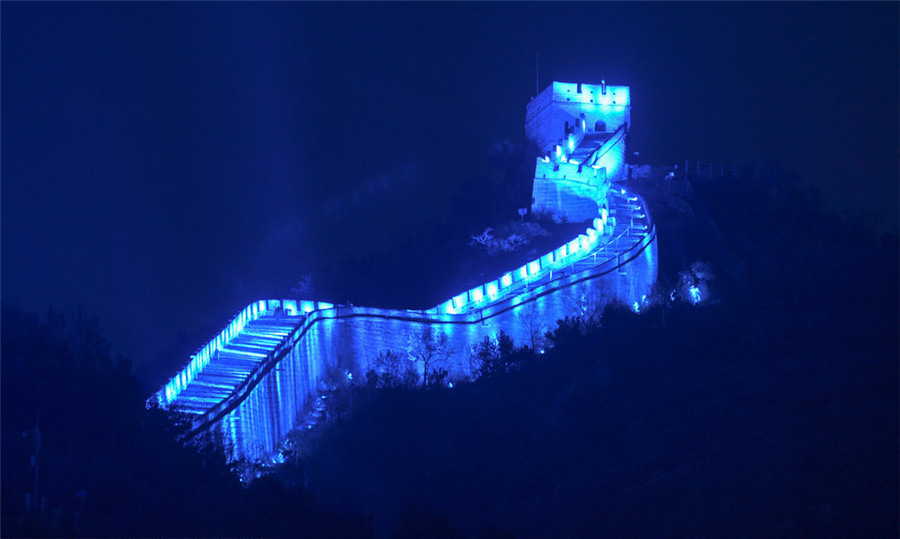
164	164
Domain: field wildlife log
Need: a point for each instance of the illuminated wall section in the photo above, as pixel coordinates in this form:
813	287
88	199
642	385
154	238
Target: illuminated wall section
257	379
580	130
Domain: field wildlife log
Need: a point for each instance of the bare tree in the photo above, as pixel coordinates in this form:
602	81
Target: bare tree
514	242
534	324
392	370
590	304
498	355
485	239
432	350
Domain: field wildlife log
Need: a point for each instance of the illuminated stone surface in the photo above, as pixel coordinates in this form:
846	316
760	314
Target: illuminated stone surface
581	130
255	380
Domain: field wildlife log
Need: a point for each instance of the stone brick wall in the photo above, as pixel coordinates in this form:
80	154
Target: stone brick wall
336	341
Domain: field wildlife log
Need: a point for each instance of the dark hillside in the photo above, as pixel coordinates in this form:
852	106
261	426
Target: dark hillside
107	466
768	410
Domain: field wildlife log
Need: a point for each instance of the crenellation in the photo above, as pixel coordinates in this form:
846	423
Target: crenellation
281	353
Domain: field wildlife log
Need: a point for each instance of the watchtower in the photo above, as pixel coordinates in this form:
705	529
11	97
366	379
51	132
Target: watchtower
580	130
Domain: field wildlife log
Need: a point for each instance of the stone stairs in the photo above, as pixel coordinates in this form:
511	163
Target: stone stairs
235	361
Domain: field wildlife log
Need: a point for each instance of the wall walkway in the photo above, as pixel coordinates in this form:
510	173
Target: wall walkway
256	379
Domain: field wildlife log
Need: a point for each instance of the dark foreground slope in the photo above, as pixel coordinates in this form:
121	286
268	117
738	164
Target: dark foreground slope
768	410
107	466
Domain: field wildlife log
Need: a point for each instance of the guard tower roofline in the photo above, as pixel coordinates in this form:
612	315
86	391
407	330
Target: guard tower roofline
577	93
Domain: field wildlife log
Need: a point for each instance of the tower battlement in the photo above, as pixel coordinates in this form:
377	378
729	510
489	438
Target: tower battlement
581	129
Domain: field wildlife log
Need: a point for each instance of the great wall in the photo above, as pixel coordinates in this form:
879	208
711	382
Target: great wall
258	377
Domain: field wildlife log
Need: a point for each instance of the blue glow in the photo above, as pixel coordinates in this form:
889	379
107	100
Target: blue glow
560	253
492	288
585	241
268	363
695	294
477	294
522	273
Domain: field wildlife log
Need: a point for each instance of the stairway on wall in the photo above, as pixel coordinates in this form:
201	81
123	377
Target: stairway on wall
234	363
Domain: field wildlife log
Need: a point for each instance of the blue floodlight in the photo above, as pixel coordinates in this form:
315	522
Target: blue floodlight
447	307
695	294
506	280
585	241
477	294
522	273
492	288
